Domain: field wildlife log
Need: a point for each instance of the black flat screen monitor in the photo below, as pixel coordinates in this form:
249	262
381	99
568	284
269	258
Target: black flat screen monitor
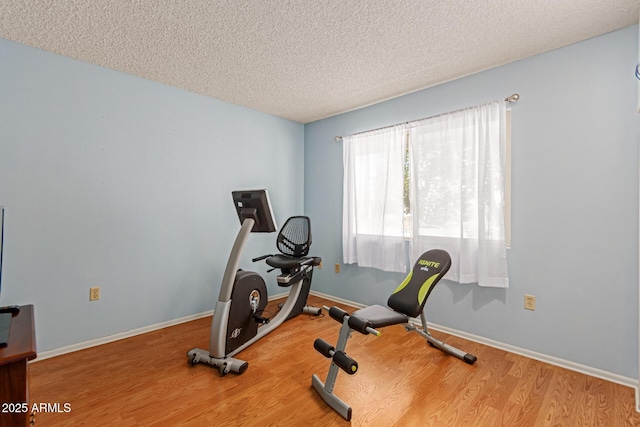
255	204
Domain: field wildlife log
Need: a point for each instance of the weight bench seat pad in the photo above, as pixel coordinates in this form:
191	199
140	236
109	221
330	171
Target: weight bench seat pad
379	316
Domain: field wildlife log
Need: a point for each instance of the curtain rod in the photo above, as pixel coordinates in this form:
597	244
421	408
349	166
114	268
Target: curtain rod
513	98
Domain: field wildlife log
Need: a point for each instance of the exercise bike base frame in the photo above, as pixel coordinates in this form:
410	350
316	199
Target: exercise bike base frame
227	363
224	366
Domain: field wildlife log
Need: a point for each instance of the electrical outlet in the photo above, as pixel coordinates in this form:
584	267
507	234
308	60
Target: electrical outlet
320	266
94	293
337	268
529	302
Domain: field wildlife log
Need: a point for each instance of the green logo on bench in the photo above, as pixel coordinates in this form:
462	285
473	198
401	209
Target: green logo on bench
429	263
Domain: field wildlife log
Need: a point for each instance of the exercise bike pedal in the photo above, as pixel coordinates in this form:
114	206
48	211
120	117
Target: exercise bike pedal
260	319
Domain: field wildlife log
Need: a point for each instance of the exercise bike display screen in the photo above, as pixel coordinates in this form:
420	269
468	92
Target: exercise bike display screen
255	204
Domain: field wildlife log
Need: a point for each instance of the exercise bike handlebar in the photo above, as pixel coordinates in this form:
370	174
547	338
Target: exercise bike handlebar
260	258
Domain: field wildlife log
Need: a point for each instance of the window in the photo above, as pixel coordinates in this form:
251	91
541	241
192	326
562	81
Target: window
373	209
438	183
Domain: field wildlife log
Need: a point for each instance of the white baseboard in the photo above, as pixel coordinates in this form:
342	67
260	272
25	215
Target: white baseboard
127	334
572	366
119	336
567	364
587	370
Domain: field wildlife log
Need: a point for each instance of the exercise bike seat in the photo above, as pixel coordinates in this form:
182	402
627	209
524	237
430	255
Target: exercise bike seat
293	242
410	296
285	262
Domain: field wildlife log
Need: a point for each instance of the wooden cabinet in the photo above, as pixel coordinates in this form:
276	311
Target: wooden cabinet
14	370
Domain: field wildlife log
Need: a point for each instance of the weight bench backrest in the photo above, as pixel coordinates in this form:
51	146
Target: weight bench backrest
409	298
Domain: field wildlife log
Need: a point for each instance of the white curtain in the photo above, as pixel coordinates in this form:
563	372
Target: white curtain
373	207
457	191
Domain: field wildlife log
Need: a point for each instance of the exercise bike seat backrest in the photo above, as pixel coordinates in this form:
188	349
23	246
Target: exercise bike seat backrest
293	242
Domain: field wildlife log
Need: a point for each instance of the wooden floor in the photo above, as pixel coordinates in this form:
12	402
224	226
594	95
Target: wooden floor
147	381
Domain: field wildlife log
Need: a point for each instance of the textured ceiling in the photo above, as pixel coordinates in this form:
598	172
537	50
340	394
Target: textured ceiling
307	59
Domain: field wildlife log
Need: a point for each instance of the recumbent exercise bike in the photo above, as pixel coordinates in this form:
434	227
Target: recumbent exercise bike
238	319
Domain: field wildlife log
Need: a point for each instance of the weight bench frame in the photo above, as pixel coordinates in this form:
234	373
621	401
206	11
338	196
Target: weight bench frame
419	283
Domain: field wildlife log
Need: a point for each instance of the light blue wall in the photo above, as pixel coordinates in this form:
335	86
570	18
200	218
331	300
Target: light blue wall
574	204
114	181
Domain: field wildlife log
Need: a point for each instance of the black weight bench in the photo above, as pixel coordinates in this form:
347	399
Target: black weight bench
406	302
